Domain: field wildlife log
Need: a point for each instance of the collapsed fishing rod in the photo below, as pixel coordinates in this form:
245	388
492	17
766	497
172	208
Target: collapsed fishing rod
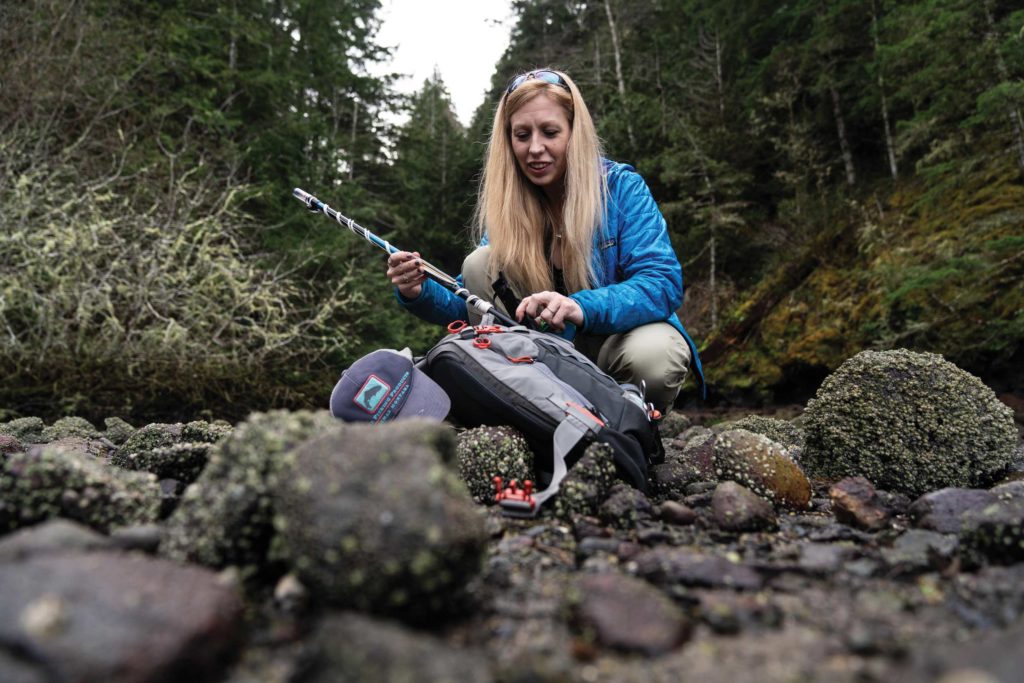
481	306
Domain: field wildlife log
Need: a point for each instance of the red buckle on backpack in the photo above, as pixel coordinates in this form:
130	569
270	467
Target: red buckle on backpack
489	329
482	342
515	501
457	327
521	359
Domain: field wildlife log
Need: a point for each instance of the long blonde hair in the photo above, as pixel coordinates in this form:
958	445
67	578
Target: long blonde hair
513	212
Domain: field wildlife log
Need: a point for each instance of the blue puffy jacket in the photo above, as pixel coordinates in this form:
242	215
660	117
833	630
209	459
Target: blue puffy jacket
639	277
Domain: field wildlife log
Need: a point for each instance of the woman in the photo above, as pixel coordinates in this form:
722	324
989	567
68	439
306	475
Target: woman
580	235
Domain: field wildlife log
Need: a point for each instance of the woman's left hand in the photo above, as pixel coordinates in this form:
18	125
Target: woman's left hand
551	308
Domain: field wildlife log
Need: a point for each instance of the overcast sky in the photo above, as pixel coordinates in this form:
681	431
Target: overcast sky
463	38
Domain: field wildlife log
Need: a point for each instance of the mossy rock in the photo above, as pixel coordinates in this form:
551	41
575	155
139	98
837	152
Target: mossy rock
371	518
780	431
49	481
486	452
27	430
761	465
908	422
225	517
69	426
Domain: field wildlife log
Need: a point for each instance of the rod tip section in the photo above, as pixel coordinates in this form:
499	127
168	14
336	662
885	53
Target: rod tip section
301	195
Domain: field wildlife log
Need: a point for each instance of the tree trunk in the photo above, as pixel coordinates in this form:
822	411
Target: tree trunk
719	78
352	142
1004	74
618	69
890	147
844	144
661	93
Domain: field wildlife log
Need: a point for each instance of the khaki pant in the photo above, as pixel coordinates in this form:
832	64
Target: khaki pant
655	354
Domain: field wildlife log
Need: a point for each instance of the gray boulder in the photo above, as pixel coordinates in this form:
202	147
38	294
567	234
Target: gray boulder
370	517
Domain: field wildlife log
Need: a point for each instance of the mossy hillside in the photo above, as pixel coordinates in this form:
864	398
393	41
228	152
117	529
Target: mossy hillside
933	271
908	422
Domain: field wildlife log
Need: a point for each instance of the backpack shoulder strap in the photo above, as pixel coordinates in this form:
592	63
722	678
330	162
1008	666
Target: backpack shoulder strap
577	426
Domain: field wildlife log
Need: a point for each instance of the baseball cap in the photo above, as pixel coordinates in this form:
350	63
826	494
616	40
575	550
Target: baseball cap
385	385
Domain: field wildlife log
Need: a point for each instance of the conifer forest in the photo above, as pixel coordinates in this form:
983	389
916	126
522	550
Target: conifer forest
836	175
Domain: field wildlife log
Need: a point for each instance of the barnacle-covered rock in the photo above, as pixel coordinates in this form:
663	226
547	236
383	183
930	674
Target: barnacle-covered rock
51	481
994	533
27	430
587	484
761	465
780	431
224	518
697	454
909	422
117	431
371	518
487	452
673	424
69	426
170	451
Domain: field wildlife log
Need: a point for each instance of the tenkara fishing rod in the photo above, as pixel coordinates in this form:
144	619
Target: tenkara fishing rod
433	272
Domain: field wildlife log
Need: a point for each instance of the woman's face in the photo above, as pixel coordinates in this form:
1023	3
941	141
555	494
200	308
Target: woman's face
540	139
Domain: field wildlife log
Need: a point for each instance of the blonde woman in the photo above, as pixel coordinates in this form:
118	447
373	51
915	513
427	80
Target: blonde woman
579	237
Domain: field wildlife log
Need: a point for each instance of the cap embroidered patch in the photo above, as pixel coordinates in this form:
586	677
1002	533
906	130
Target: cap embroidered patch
372	392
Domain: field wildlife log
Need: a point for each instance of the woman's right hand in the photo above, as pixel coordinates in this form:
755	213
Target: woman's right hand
404	271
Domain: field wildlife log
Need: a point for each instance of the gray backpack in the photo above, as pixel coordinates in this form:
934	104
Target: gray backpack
561	402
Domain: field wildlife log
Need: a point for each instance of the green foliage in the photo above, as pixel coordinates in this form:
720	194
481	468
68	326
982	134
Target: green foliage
108	307
834	175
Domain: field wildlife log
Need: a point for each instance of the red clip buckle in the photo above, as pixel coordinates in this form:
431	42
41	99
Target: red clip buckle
482	342
489	329
520	359
457	326
515	501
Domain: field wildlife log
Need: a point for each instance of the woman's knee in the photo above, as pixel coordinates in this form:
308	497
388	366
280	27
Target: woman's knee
475	269
656	355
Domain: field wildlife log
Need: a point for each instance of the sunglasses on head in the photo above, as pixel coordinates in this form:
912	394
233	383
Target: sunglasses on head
546	76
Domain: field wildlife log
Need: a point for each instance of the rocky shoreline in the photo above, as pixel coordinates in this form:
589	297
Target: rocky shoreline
877	536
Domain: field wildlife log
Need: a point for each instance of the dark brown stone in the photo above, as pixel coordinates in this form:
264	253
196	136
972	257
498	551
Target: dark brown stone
677	513
106	616
856	503
665	566
737	508
943	510
629	615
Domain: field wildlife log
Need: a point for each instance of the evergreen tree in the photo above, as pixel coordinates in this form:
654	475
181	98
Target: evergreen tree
435	168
